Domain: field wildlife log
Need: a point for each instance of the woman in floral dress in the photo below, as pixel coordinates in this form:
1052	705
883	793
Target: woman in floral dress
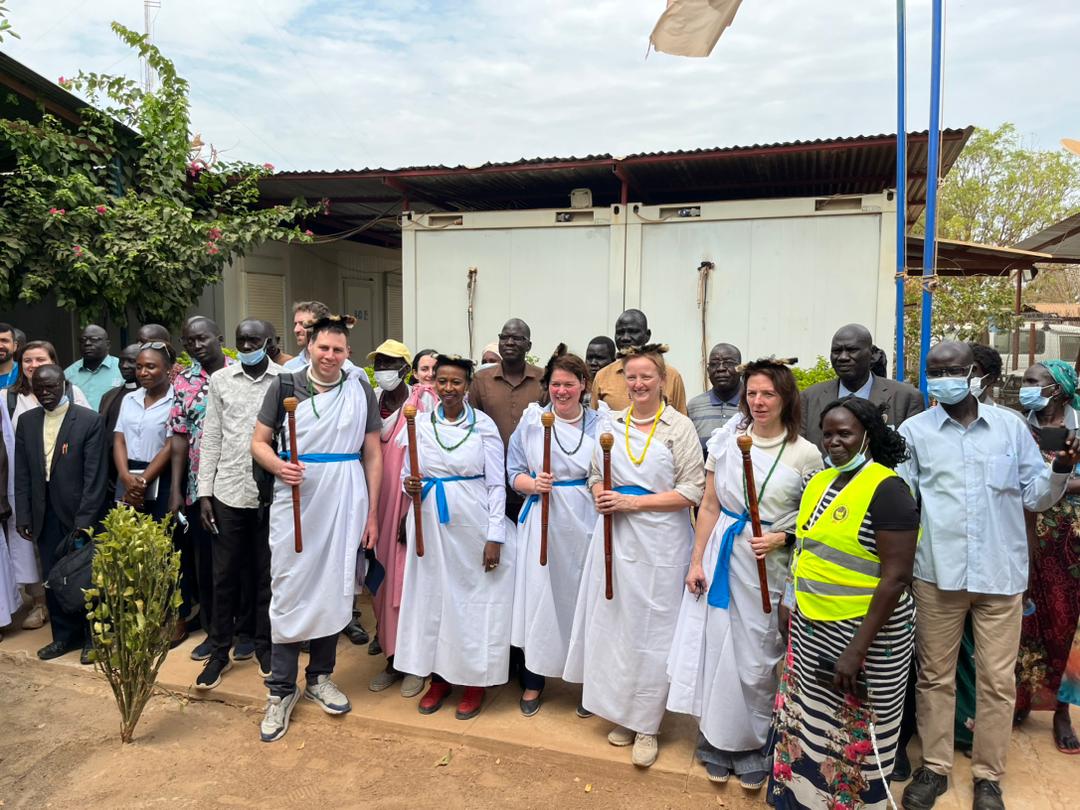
1048	668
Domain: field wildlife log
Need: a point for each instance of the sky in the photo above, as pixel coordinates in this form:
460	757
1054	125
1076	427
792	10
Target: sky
346	84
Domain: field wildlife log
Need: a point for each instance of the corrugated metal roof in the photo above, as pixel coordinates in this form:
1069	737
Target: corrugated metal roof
1061	240
864	164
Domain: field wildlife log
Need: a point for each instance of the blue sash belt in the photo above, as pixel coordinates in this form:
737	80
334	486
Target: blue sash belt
440	492
574	482
720	590
323	458
632	489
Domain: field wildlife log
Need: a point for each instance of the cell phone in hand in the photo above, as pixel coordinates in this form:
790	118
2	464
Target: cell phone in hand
1053	439
825	670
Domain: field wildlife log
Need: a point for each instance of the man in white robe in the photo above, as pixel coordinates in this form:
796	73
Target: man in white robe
339	470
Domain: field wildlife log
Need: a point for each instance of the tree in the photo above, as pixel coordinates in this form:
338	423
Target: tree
5	25
998	192
124	209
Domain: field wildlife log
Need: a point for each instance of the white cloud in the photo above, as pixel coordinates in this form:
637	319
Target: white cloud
347	84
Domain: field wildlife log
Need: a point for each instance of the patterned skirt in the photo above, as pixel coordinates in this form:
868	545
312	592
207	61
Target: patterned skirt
824	756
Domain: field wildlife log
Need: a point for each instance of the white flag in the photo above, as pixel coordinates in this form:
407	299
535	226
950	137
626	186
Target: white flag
692	27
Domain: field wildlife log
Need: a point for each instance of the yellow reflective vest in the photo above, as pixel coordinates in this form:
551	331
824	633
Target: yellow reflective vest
835	574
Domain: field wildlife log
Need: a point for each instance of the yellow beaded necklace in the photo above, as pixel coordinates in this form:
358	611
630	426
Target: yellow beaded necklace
629	418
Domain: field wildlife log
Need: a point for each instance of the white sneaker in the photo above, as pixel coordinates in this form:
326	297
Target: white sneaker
325	692
35	618
276	720
620	736
645	750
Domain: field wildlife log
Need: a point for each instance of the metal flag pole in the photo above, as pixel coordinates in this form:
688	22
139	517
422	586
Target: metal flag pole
901	179
933	168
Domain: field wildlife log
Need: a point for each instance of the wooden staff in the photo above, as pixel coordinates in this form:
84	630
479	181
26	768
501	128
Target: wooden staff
606	443
547	419
745	443
290	404
414	465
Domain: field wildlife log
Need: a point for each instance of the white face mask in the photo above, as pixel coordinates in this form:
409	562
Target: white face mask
388	380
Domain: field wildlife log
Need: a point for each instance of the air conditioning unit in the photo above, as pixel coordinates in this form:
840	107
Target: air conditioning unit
581	198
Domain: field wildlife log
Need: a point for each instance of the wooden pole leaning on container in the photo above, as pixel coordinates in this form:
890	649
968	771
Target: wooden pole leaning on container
607	441
409	411
290	403
745	443
547	419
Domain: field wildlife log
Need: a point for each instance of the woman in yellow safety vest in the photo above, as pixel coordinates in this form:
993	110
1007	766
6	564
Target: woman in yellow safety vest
852	627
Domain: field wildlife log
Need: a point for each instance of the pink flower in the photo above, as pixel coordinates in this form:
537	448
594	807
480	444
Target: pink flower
101	209
78	250
268	166
782	772
308	232
212	249
194	168
215	233
57	212
62	81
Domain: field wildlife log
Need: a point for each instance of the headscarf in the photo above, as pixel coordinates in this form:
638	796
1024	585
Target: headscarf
1065	376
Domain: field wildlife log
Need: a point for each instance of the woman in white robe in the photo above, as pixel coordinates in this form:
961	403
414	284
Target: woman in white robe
619	647
723	661
457	600
545	596
10	601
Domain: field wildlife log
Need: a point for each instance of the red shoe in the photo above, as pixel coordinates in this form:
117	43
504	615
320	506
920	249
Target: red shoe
470	703
433	699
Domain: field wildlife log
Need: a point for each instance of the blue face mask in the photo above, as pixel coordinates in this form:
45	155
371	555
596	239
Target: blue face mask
1032	399
852	463
948	390
64	400
255	357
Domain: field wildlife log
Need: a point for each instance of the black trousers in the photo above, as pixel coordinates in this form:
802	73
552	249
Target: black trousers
241	566
68	628
199	544
285	663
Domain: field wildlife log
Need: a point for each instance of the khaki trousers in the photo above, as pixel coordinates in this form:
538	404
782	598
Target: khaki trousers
939	626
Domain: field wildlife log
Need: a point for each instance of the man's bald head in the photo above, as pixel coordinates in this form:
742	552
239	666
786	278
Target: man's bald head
150	332
949	353
851	354
632	329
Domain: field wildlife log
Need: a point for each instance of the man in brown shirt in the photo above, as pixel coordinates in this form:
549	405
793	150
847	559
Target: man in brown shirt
609	385
505	390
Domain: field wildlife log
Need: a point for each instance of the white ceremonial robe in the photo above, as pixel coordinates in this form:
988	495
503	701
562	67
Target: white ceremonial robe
619	647
455	617
23	558
312	592
545	596
10	601
723	662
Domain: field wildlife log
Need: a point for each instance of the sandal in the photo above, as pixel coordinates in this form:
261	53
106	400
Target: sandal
1067	743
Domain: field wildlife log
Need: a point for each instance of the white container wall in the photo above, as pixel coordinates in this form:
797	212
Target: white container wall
787	274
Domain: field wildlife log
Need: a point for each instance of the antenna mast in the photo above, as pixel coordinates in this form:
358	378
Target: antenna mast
148	72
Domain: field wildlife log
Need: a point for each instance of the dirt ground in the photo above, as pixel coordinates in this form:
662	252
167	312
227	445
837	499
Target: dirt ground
60	748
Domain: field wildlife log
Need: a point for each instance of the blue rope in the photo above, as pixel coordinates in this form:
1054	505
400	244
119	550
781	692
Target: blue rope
575	482
440	492
720	589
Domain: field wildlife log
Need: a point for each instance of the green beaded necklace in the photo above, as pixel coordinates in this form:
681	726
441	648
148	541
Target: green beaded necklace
465	438
312	393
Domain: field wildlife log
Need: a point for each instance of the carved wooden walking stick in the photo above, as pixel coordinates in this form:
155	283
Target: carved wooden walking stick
606	443
414	465
745	443
547	419
290	403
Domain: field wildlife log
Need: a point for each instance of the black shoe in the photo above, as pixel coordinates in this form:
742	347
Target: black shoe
244	649
203	650
264	665
86	658
530	707
374	648
987	795
56	649
305	647
901	770
924	789
355	633
582	712
211	674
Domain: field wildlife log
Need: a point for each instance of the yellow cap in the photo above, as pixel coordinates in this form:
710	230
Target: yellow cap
392	348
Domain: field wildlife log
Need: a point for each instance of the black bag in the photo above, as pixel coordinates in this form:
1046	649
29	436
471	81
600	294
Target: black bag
264	479
70	574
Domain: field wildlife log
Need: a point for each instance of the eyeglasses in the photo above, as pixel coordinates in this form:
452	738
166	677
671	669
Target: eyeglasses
723	364
513	339
948	371
160	345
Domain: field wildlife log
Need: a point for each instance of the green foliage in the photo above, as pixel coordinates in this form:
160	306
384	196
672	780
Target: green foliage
132	606
107	220
819	372
5	25
998	192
